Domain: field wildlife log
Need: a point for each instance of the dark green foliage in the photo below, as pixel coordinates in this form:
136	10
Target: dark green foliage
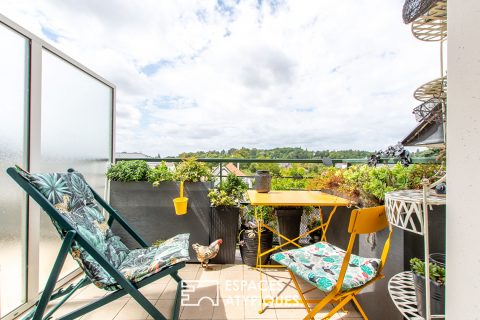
126	171
437	273
233	186
278	153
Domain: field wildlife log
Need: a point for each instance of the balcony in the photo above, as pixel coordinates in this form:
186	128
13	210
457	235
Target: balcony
57	113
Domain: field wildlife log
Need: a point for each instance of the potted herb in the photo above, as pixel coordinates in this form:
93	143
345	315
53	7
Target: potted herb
249	235
437	286
313	223
225	216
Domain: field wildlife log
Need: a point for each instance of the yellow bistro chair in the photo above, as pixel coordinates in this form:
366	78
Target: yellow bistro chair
338	273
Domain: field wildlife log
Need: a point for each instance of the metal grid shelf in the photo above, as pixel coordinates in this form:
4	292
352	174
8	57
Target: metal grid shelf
405	208
402	292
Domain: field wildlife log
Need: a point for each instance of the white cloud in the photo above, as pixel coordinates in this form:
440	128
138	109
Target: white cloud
203	75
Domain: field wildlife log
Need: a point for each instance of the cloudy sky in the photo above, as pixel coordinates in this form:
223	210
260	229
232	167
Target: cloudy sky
203	75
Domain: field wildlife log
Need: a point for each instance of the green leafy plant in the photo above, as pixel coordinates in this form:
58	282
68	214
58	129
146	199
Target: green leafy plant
192	171
368	185
160	173
234	186
220	198
264	213
289	183
229	192
437	273
125	171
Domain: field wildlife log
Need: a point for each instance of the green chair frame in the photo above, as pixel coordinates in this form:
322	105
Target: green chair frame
71	235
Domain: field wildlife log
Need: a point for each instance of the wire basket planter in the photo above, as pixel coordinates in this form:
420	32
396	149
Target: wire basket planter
434	89
432	26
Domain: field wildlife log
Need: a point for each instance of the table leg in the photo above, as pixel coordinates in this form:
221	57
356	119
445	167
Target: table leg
259	258
325	226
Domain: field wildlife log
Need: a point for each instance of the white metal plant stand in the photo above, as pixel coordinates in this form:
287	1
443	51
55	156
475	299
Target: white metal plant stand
402	292
408	210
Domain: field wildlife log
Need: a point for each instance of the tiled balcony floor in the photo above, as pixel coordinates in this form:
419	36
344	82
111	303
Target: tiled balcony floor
235	297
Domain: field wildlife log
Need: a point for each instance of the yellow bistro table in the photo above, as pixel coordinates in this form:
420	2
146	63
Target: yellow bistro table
291	198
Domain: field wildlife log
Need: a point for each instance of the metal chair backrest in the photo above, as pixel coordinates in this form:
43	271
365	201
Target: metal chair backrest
363	221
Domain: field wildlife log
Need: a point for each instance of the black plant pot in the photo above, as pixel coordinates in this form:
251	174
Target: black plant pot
225	226
249	247
437	296
289	224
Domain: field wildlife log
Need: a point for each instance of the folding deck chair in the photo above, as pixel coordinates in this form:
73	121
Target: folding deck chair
340	274
107	262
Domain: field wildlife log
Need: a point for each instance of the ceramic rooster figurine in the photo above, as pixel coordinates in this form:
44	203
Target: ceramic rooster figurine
204	253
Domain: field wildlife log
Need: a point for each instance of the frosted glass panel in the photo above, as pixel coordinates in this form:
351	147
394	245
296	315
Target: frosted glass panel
76	133
13	95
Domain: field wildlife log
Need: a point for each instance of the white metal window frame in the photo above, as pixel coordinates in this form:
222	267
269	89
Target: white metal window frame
32	155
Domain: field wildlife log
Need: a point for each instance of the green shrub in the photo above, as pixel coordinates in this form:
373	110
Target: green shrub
229	192
288	183
265	213
221	198
192	171
125	171
159	173
368	185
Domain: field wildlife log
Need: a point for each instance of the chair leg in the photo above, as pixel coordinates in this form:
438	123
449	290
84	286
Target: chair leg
176	306
147	305
297	286
339	306
359	307
94	305
52	278
320	306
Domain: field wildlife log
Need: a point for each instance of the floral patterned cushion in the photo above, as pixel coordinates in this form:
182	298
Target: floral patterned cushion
71	196
320	264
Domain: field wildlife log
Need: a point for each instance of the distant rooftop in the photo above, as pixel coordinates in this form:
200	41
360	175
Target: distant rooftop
130	155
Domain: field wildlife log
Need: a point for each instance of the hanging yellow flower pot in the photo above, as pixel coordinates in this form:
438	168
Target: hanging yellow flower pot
181	202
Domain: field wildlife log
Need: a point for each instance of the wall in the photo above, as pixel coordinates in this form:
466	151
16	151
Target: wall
463	159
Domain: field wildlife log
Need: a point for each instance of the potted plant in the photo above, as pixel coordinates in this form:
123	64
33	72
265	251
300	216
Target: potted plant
249	235
196	177
225	216
314	222
437	286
